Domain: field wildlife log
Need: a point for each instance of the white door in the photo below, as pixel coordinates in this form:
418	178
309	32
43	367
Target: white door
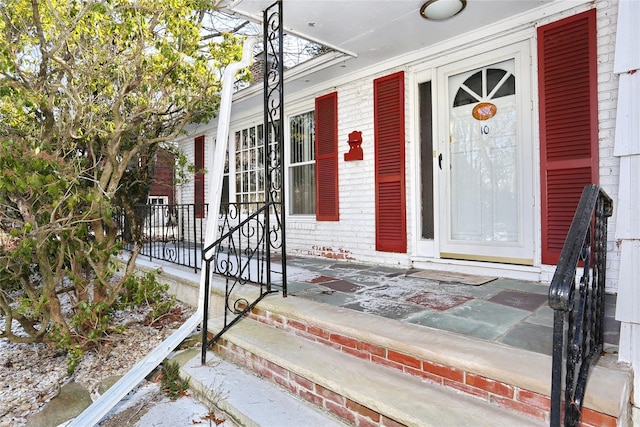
487	164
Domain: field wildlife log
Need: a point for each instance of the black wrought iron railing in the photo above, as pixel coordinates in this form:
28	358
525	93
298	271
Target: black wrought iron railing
251	235
243	255
172	233
579	304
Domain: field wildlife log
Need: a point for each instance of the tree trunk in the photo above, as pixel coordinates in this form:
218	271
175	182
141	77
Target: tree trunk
55	314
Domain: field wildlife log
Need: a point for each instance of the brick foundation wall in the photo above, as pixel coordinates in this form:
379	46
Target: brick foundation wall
316	394
526	402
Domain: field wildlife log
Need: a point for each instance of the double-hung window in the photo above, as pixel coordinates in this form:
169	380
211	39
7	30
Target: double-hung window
302	186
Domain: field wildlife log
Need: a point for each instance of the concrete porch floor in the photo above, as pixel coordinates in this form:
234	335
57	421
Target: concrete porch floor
512	312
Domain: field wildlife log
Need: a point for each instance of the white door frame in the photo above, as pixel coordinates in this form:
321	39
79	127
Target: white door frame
423	247
523	251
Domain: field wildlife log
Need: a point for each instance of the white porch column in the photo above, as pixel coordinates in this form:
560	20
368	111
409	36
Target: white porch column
627	208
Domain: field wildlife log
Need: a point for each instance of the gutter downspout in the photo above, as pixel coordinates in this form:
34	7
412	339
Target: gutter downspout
98	409
219	153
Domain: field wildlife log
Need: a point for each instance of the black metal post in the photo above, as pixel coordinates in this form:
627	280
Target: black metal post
556	370
251	241
274	128
205	314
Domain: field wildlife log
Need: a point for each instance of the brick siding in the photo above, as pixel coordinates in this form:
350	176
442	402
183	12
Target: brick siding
353	237
163	183
525	402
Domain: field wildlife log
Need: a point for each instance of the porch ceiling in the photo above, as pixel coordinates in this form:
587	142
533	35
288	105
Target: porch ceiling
374	31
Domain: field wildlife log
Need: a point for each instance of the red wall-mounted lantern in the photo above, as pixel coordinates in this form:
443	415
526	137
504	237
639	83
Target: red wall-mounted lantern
355	146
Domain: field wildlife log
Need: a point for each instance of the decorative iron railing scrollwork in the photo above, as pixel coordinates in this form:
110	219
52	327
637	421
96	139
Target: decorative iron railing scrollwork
240	255
580	304
241	250
167	232
252	233
273	109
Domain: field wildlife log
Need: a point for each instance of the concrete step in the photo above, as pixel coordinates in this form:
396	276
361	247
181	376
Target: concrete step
361	392
247	399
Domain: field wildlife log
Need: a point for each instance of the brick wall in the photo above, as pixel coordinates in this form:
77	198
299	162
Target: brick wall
526	402
185	190
607	101
162	184
353	237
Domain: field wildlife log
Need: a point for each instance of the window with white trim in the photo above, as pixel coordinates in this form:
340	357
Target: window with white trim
302	187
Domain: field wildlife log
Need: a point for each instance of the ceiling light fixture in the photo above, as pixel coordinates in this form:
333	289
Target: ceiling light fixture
438	10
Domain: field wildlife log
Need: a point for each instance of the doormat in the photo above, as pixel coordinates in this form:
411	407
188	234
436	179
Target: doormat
446	276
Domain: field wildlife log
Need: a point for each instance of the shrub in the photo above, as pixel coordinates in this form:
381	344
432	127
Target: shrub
172	384
146	289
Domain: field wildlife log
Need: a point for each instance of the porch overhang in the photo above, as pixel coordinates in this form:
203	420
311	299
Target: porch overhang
364	35
374	31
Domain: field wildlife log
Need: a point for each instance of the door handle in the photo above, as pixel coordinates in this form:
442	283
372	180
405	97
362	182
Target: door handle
440	160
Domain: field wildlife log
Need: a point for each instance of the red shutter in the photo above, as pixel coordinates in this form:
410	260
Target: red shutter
198	160
391	227
568	123
326	151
